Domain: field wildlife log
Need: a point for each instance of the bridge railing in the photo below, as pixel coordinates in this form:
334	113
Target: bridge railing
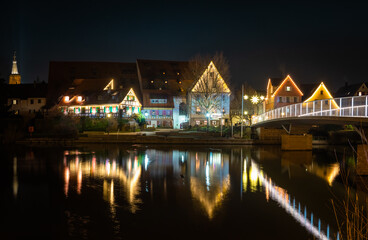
335	107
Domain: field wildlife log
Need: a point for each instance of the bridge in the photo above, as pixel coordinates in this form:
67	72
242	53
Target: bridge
339	111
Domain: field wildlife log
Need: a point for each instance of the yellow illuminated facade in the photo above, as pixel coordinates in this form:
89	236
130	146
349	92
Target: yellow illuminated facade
322	93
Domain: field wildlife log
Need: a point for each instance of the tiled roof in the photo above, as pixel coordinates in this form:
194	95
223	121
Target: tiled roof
63	74
164	75
308	89
348	90
276	81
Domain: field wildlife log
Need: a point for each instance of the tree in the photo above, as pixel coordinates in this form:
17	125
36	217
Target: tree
211	76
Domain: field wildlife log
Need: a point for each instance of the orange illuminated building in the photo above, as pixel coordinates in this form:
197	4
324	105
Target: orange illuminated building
282	92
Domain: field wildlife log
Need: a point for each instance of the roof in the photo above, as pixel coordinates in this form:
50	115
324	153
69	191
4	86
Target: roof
63	74
93	92
276	81
308	89
164	75
26	90
348	90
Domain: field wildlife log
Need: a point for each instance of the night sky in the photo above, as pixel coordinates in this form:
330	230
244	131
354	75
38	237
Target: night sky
312	42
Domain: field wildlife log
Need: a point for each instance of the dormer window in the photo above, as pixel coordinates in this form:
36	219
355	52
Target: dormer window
288	88
79	98
66	98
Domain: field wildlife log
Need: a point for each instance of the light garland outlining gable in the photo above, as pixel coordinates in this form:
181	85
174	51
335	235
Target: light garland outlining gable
198	88
130	105
322	93
288	78
110	85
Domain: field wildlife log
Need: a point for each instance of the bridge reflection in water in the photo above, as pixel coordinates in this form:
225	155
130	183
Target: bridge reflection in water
257	177
206	173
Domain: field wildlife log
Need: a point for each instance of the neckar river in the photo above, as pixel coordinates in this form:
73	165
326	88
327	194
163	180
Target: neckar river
185	192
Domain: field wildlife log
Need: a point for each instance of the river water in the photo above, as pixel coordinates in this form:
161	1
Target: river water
176	192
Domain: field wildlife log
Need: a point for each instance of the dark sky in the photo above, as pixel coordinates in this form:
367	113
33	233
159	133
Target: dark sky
311	41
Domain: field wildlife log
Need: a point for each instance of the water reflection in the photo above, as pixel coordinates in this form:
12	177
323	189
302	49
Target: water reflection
257	178
304	160
209	178
15	178
127	173
142	177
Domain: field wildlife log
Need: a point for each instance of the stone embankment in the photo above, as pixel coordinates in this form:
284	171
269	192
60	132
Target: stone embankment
103	138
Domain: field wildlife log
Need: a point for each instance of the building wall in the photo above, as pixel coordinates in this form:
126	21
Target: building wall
26	106
200	117
179	118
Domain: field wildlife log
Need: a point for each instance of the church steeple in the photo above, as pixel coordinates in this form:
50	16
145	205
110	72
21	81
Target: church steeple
14	77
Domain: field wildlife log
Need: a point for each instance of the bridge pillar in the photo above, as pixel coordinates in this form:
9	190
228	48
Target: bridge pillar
296	142
362	159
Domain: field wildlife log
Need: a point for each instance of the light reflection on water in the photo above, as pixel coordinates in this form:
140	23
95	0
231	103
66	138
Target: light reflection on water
139	180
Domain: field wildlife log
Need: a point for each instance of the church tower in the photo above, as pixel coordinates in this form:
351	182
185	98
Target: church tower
14	77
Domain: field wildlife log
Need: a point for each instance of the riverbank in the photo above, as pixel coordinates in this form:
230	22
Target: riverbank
104	138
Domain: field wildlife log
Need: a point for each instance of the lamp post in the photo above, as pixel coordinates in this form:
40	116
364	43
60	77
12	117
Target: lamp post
255	99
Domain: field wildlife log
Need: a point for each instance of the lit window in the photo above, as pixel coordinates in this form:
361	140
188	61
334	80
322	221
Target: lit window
79	98
288	88
14	102
152	81
198	109
66	98
360	93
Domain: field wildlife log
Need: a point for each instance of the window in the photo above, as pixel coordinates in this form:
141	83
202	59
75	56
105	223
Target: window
14	102
295	99
79	98
39	100
66	98
360	93
198	122
321	92
279	99
32	101
158	101
287	99
288	88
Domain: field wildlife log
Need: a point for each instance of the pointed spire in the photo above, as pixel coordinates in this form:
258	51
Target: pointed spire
14	68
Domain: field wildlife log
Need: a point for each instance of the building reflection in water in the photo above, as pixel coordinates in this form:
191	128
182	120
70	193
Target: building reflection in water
207	173
127	174
209	178
257	178
304	160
